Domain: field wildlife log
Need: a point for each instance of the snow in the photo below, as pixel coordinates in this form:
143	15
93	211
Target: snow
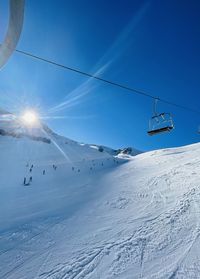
136	217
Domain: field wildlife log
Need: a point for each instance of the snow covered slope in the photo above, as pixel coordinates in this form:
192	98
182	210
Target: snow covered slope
95	215
42	160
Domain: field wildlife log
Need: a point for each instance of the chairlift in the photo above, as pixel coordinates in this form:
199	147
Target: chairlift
160	122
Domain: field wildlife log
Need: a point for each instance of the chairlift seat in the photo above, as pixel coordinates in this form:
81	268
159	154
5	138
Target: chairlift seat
160	122
160	130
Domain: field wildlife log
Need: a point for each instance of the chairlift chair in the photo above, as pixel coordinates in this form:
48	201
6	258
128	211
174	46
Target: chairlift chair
160	123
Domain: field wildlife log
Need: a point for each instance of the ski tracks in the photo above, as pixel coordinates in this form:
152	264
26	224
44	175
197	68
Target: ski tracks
194	236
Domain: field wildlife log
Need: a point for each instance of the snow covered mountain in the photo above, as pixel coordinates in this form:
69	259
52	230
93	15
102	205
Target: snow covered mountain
88	214
114	152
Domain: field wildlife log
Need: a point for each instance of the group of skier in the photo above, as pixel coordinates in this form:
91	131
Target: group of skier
28	181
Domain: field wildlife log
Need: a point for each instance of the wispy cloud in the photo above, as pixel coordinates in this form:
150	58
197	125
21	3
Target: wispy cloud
118	47
75	95
67	117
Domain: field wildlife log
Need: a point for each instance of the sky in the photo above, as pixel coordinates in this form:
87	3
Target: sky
149	45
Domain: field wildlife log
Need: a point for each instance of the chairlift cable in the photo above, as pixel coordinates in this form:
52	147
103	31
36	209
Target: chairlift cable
122	86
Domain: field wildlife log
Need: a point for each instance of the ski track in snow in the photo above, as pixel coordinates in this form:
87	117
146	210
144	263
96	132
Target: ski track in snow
134	220
85	264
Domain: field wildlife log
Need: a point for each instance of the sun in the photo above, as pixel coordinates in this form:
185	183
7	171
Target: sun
30	118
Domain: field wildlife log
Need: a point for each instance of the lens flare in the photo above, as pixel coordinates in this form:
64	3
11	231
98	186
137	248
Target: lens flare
30	118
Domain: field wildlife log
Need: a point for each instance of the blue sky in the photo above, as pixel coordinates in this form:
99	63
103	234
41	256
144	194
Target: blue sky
149	45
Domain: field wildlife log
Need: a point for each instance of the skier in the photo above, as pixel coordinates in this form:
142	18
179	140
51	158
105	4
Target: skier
43	172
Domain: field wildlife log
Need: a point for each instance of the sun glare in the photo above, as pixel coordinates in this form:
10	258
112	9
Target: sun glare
30	118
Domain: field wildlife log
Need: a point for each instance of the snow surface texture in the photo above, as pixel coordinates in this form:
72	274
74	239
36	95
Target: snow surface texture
93	216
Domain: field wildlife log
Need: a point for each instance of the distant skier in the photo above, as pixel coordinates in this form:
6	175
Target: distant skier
30	170
25	182
43	172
